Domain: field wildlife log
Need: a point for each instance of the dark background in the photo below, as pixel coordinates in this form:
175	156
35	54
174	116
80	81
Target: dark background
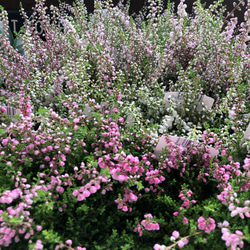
13	7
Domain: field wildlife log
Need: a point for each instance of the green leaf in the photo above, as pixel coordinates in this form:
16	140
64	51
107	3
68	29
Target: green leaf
99	47
42	111
105	172
90	47
86	64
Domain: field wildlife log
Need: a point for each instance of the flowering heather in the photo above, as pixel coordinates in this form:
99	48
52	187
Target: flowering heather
82	111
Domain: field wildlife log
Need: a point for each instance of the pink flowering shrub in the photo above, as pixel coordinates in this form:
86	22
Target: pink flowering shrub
82	111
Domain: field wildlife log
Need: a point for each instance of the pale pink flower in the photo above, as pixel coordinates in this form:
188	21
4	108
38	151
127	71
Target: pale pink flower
176	234
76	120
69	242
38	228
39	245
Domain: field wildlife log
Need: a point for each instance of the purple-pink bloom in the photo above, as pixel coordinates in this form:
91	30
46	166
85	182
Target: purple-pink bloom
182	243
76	120
38	228
80	197
185	220
39	245
176	234
69	242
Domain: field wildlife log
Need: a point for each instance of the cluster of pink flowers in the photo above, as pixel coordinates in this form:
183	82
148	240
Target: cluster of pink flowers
184	196
226	172
227	195
128	196
127	166
245	186
91	187
229	198
233	240
182	242
241	211
148	224
154	177
206	224
8	196
110	141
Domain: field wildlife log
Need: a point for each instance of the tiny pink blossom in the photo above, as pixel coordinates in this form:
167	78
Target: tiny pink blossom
39	245
75	192
176	234
69	242
3	109
125	208
47	158
5	142
185	220
223	152
86	193
80	197
181	244
93	190
38	228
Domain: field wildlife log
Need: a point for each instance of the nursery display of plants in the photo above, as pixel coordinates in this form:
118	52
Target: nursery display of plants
123	131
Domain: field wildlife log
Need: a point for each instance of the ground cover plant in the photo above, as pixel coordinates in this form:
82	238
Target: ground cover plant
83	108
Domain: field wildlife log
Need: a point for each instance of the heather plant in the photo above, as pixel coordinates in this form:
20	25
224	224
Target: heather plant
82	112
